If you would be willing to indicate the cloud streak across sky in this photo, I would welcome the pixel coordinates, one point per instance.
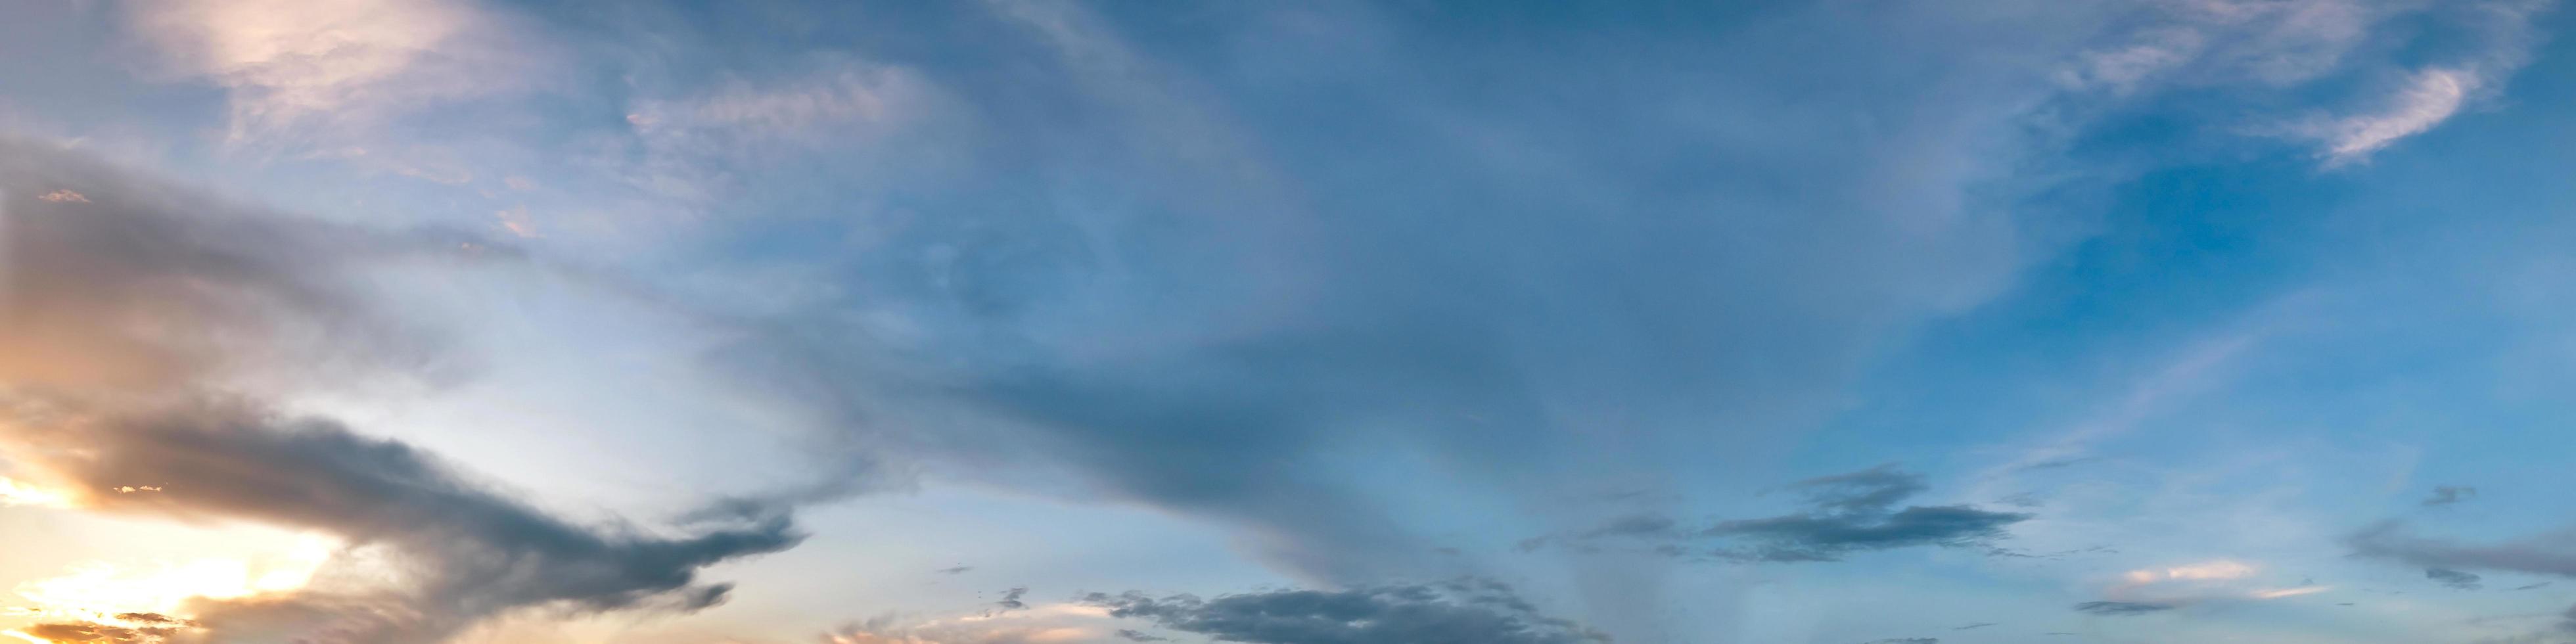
(1287, 309)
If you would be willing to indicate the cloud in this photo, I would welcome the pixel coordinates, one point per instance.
(95, 286)
(1810, 537)
(102, 393)
(1974, 626)
(2262, 53)
(1049, 623)
(1136, 287)
(2427, 99)
(1460, 612)
(1907, 640)
(1635, 525)
(292, 64)
(2121, 608)
(1134, 636)
(2548, 554)
(1857, 512)
(712, 144)
(2449, 494)
(2452, 578)
(1846, 513)
(101, 634)
(466, 553)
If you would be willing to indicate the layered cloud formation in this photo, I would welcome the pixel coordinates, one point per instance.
(1330, 298)
(140, 319)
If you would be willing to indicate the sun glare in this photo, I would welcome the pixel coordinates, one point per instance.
(13, 492)
(101, 590)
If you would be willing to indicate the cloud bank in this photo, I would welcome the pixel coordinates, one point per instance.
(138, 326)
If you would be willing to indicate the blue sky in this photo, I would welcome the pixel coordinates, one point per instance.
(1362, 323)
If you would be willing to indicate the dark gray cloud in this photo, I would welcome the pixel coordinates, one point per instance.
(2453, 578)
(2449, 494)
(2121, 608)
(2532, 586)
(1011, 599)
(1134, 635)
(1846, 513)
(464, 553)
(132, 313)
(1456, 612)
(1829, 537)
(1974, 626)
(1906, 640)
(954, 570)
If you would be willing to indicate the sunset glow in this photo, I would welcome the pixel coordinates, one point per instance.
(97, 589)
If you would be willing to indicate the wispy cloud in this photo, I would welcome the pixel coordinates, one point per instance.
(299, 64)
(2121, 608)
(2449, 494)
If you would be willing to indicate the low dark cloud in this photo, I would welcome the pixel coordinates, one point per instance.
(1134, 635)
(2453, 578)
(464, 553)
(1906, 640)
(1455, 612)
(1974, 626)
(2532, 586)
(1809, 537)
(2121, 608)
(957, 570)
(1011, 599)
(2449, 494)
(2547, 554)
(1846, 513)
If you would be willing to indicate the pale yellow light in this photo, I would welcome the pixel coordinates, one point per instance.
(14, 492)
(102, 588)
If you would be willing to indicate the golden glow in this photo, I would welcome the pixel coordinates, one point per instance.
(13, 492)
(24, 636)
(99, 589)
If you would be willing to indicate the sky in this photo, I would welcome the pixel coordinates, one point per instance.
(1404, 322)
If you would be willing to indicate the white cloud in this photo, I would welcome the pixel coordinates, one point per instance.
(2247, 46)
(2431, 97)
(688, 146)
